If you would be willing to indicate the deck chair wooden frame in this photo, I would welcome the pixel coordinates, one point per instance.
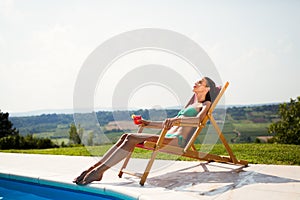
(189, 149)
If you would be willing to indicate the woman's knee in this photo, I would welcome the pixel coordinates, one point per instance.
(134, 139)
(121, 139)
(129, 137)
(123, 136)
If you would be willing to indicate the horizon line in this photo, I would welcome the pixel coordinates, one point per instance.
(71, 111)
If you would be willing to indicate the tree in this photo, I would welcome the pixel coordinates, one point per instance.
(287, 129)
(74, 135)
(90, 139)
(6, 127)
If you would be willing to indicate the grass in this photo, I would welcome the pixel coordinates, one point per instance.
(278, 154)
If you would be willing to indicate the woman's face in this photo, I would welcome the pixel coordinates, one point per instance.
(201, 86)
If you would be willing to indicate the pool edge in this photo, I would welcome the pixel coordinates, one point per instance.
(109, 191)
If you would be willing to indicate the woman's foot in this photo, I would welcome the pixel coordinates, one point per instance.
(81, 176)
(90, 177)
(84, 173)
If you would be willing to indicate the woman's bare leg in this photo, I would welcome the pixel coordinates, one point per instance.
(119, 154)
(105, 157)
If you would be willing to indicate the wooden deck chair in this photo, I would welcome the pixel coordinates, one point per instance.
(189, 149)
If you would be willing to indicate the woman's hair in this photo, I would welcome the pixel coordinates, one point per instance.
(213, 92)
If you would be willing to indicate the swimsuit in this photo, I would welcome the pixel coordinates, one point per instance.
(186, 112)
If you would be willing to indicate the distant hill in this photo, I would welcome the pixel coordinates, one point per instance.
(71, 111)
(51, 122)
(243, 124)
(256, 114)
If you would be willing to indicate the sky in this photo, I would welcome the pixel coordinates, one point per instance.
(255, 45)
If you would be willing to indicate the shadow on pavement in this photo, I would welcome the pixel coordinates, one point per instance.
(217, 182)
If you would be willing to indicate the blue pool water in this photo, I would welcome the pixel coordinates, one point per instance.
(15, 190)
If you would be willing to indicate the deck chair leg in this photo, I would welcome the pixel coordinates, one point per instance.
(125, 164)
(222, 138)
(140, 130)
(148, 168)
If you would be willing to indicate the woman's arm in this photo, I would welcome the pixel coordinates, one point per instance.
(152, 124)
(199, 117)
(168, 123)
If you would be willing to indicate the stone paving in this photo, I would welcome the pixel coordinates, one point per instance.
(168, 180)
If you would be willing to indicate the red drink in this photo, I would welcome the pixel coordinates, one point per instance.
(137, 119)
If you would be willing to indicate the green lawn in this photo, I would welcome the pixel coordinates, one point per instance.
(278, 154)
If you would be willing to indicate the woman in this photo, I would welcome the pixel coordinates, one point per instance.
(205, 93)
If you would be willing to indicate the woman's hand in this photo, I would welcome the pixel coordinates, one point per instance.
(169, 122)
(144, 122)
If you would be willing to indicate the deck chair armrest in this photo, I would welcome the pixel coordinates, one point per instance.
(188, 121)
(187, 124)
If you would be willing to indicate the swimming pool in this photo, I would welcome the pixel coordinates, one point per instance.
(11, 189)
